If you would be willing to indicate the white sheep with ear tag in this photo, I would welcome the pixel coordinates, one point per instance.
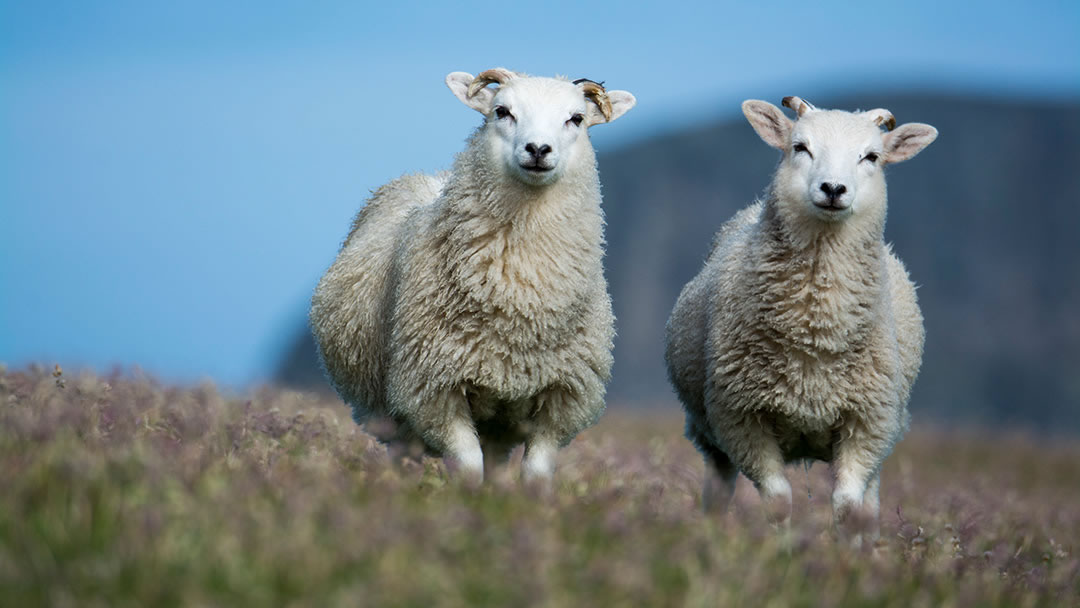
(467, 311)
(801, 337)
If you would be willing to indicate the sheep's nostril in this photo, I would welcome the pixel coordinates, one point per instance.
(833, 190)
(537, 152)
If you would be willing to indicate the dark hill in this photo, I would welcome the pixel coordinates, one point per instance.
(985, 220)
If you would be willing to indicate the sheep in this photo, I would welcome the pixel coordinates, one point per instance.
(467, 312)
(801, 336)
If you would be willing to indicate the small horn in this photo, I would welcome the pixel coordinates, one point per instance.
(595, 91)
(496, 75)
(883, 118)
(801, 106)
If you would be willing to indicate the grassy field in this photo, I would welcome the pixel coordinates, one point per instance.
(118, 491)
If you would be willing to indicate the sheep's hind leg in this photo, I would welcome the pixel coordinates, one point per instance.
(719, 487)
(496, 455)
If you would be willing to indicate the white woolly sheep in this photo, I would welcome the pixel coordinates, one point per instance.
(801, 336)
(469, 308)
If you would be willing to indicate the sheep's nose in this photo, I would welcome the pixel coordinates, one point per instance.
(833, 191)
(537, 152)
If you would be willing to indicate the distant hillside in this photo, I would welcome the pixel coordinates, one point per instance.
(985, 220)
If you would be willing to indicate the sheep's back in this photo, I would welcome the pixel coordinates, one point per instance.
(348, 309)
(688, 326)
(908, 319)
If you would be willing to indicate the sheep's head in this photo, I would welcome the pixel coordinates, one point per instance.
(833, 160)
(537, 126)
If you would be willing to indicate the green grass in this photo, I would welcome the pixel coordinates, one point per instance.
(122, 491)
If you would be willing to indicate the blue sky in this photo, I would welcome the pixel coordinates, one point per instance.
(176, 176)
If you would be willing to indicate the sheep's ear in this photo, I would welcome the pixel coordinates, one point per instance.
(621, 102)
(459, 85)
(907, 140)
(769, 122)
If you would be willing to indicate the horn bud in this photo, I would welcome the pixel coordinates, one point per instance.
(800, 105)
(494, 75)
(883, 118)
(595, 91)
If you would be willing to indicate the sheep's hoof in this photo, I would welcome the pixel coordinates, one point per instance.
(776, 498)
(851, 524)
(464, 472)
(716, 495)
(538, 487)
(538, 466)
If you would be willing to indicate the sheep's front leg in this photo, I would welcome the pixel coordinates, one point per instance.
(555, 408)
(463, 456)
(442, 419)
(855, 493)
(756, 452)
(538, 463)
(775, 494)
(872, 507)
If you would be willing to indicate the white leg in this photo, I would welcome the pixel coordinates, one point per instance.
(463, 457)
(849, 496)
(871, 501)
(538, 463)
(872, 507)
(776, 495)
(751, 444)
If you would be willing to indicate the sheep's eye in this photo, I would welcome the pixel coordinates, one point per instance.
(871, 156)
(576, 119)
(501, 112)
(801, 147)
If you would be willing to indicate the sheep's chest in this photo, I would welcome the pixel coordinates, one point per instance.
(807, 401)
(810, 398)
(509, 305)
(818, 355)
(522, 305)
(515, 355)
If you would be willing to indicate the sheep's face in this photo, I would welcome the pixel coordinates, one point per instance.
(535, 128)
(832, 165)
(833, 161)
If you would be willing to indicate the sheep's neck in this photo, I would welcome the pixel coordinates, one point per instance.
(819, 293)
(526, 252)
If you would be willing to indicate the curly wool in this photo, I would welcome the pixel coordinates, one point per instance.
(807, 338)
(470, 294)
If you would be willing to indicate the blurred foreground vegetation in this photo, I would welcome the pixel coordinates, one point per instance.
(122, 491)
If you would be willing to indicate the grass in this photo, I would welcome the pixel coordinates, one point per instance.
(119, 491)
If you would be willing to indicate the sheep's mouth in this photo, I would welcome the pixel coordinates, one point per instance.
(536, 168)
(831, 205)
